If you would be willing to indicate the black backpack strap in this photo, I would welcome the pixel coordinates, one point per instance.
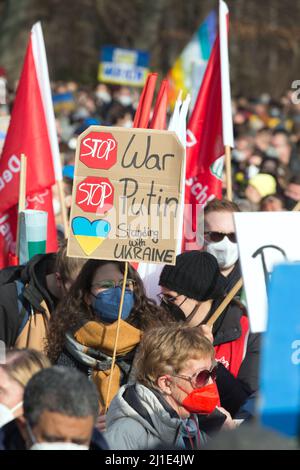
(131, 397)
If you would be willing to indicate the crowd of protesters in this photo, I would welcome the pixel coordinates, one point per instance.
(265, 160)
(177, 383)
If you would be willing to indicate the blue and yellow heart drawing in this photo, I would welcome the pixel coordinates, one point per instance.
(90, 235)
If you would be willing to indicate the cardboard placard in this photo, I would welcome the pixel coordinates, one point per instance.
(126, 195)
(264, 240)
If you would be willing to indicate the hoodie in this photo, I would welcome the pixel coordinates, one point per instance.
(22, 292)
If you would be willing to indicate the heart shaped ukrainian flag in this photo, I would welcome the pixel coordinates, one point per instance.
(90, 235)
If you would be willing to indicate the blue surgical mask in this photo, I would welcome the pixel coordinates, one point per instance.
(106, 304)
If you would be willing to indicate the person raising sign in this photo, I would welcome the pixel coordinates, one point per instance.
(83, 329)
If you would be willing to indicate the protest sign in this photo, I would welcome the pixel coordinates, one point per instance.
(63, 102)
(264, 239)
(126, 195)
(123, 66)
(280, 365)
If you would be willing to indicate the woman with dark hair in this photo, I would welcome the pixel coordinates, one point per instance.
(83, 328)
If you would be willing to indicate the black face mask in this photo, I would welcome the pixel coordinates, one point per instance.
(176, 311)
(289, 203)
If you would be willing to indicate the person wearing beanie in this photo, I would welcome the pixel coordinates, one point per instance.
(197, 291)
(259, 186)
(191, 291)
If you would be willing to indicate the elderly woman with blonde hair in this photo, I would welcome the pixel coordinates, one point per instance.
(175, 382)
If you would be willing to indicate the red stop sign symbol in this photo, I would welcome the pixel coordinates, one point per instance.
(98, 150)
(95, 195)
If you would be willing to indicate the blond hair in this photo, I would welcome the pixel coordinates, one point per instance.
(22, 364)
(221, 205)
(67, 267)
(165, 350)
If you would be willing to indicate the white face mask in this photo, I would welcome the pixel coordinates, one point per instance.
(56, 206)
(7, 414)
(125, 100)
(128, 124)
(52, 445)
(225, 251)
(57, 446)
(252, 171)
(238, 155)
(104, 96)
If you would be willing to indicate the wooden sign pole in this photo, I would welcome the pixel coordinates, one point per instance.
(117, 336)
(22, 198)
(225, 302)
(297, 207)
(63, 207)
(228, 172)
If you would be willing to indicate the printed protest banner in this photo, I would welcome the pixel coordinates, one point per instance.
(280, 365)
(63, 102)
(264, 239)
(126, 195)
(123, 66)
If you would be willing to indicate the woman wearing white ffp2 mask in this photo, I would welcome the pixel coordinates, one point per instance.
(20, 366)
(223, 247)
(8, 414)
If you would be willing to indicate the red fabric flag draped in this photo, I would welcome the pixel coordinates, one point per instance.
(205, 132)
(27, 134)
(204, 148)
(159, 118)
(142, 115)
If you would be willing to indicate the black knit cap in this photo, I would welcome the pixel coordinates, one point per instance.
(195, 275)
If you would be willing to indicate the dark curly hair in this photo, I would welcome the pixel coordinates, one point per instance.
(73, 311)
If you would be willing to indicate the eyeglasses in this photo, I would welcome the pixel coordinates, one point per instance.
(200, 379)
(166, 298)
(109, 284)
(219, 236)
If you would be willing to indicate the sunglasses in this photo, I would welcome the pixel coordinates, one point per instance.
(219, 236)
(200, 379)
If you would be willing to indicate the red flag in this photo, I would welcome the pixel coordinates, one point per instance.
(8, 230)
(205, 133)
(142, 115)
(27, 133)
(209, 130)
(199, 190)
(159, 118)
(204, 146)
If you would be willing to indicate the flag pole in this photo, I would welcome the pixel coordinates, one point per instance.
(228, 172)
(297, 207)
(63, 206)
(117, 337)
(225, 302)
(22, 198)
